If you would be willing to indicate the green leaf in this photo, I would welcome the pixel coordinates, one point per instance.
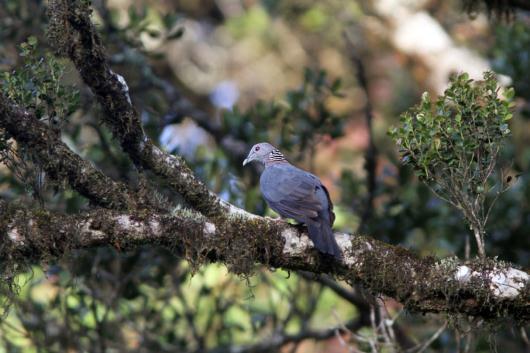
(32, 40)
(509, 93)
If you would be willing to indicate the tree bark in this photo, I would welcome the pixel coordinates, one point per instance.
(484, 287)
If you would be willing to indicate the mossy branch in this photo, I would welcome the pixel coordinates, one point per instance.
(483, 288)
(58, 161)
(74, 35)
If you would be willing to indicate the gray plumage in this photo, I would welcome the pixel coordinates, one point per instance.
(297, 194)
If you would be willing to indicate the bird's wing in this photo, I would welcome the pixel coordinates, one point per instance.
(292, 193)
(329, 205)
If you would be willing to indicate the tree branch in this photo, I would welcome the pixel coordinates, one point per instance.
(483, 288)
(59, 162)
(74, 35)
(362, 303)
(370, 156)
(277, 341)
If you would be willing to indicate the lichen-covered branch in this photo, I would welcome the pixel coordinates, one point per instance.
(74, 35)
(483, 288)
(59, 162)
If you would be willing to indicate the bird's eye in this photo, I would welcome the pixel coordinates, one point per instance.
(257, 148)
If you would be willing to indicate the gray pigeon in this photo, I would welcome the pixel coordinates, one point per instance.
(297, 194)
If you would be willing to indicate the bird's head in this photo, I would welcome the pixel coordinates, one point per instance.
(259, 152)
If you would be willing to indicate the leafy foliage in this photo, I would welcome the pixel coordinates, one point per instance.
(38, 86)
(140, 23)
(124, 297)
(453, 144)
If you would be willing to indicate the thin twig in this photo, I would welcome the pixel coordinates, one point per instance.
(422, 347)
(370, 156)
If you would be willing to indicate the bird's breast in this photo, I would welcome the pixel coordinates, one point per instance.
(268, 185)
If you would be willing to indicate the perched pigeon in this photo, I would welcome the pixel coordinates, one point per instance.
(297, 194)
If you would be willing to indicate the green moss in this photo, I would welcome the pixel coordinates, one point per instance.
(239, 243)
(428, 285)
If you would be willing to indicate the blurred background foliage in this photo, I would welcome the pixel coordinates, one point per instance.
(212, 77)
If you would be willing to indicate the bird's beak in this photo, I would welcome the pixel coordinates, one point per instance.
(249, 159)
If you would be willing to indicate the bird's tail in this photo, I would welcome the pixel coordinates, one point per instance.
(322, 236)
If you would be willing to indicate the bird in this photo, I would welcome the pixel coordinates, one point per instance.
(297, 194)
